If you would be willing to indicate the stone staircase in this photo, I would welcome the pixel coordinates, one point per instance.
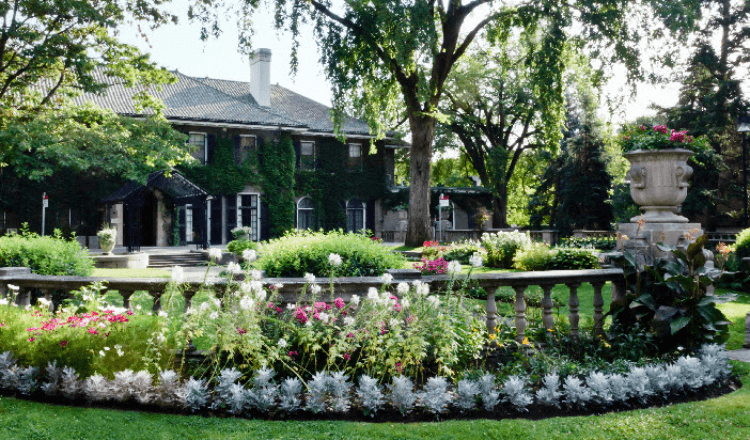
(184, 259)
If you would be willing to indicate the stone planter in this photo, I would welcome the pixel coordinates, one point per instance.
(659, 183)
(107, 245)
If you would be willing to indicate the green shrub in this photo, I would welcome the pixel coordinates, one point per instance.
(300, 252)
(540, 257)
(601, 243)
(462, 251)
(502, 247)
(742, 245)
(237, 246)
(45, 255)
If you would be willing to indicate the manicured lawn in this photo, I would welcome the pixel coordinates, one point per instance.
(727, 417)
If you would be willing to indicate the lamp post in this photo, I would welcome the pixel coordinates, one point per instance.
(744, 127)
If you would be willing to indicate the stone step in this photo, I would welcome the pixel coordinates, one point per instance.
(169, 260)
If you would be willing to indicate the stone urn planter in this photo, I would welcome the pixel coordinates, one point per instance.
(659, 183)
(107, 239)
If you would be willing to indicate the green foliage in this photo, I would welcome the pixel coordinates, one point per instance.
(277, 169)
(297, 253)
(50, 255)
(223, 175)
(671, 298)
(503, 246)
(742, 245)
(237, 246)
(601, 243)
(462, 251)
(541, 257)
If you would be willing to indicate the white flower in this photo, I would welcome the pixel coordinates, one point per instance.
(433, 301)
(13, 287)
(291, 306)
(281, 343)
(476, 260)
(404, 303)
(189, 311)
(402, 288)
(308, 323)
(314, 288)
(354, 300)
(278, 286)
(106, 348)
(260, 294)
(4, 302)
(348, 321)
(246, 303)
(216, 302)
(234, 267)
(372, 293)
(214, 254)
(138, 307)
(44, 302)
(102, 353)
(421, 288)
(249, 255)
(309, 278)
(178, 275)
(205, 306)
(395, 322)
(387, 278)
(213, 316)
(334, 260)
(324, 317)
(163, 314)
(454, 267)
(119, 350)
(256, 274)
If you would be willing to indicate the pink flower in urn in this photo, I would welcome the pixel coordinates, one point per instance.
(678, 136)
(661, 129)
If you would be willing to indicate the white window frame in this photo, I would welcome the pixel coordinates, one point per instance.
(306, 209)
(359, 155)
(205, 143)
(364, 213)
(301, 156)
(238, 212)
(188, 223)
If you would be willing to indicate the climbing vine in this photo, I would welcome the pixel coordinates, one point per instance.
(277, 169)
(223, 175)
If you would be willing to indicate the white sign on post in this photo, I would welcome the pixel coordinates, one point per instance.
(45, 200)
(444, 202)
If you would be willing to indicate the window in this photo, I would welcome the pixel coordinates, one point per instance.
(305, 218)
(198, 141)
(247, 214)
(245, 148)
(355, 216)
(307, 155)
(355, 157)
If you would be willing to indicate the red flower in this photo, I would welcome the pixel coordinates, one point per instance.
(241, 330)
(347, 357)
(63, 343)
(292, 354)
(31, 339)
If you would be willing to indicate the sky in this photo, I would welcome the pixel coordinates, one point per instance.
(180, 47)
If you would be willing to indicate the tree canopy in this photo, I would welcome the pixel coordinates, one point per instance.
(54, 50)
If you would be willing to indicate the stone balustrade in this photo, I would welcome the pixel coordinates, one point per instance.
(293, 289)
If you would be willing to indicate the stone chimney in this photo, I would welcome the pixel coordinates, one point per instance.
(260, 76)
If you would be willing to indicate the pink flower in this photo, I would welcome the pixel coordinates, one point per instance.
(31, 339)
(350, 335)
(301, 316)
(270, 305)
(292, 354)
(93, 331)
(661, 129)
(339, 303)
(347, 357)
(278, 309)
(63, 343)
(678, 136)
(241, 330)
(399, 368)
(397, 307)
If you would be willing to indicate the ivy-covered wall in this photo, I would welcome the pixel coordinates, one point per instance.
(334, 181)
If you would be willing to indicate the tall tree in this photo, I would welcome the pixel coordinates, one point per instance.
(390, 59)
(54, 50)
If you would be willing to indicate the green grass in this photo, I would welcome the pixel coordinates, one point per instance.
(726, 417)
(131, 273)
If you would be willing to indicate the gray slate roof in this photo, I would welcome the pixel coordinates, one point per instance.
(225, 101)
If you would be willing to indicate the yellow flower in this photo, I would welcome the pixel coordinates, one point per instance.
(492, 336)
(525, 341)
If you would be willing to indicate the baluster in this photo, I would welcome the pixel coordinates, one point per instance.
(188, 295)
(491, 309)
(547, 317)
(126, 294)
(618, 293)
(520, 313)
(598, 308)
(157, 302)
(573, 309)
(4, 291)
(24, 296)
(48, 296)
(747, 331)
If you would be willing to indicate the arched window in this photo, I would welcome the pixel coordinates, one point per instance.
(305, 219)
(355, 216)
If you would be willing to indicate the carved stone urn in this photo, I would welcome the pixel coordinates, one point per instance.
(659, 183)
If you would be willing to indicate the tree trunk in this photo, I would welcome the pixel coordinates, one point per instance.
(500, 207)
(423, 134)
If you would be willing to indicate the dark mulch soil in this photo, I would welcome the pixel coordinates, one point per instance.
(504, 411)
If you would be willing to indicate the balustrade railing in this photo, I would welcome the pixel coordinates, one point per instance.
(293, 290)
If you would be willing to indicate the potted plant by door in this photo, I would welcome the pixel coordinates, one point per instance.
(107, 239)
(659, 171)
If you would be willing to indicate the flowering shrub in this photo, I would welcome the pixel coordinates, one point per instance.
(300, 252)
(432, 267)
(502, 247)
(658, 137)
(432, 249)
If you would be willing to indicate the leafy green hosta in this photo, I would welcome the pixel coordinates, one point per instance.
(673, 298)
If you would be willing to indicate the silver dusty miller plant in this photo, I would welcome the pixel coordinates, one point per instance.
(488, 391)
(290, 396)
(370, 395)
(436, 397)
(402, 395)
(265, 391)
(195, 394)
(467, 392)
